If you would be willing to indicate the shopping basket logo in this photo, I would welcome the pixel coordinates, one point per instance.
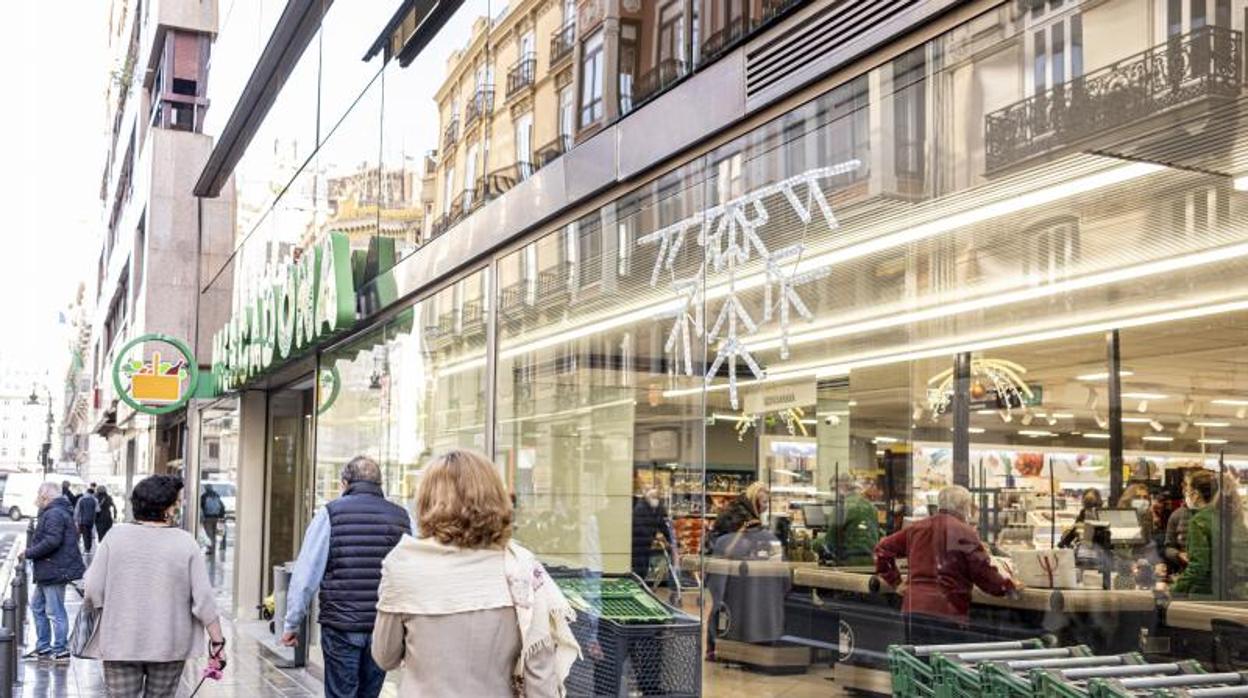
(155, 381)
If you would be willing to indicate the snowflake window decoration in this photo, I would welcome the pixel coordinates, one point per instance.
(731, 238)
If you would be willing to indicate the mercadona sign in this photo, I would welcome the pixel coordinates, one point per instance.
(299, 303)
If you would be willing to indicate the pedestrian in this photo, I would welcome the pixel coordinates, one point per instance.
(69, 493)
(106, 513)
(211, 511)
(855, 529)
(464, 609)
(650, 524)
(151, 584)
(341, 555)
(84, 515)
(54, 551)
(947, 560)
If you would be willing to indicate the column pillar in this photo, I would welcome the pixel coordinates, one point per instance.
(251, 504)
(1115, 416)
(962, 419)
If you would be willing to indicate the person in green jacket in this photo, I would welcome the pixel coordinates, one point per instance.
(854, 530)
(1204, 534)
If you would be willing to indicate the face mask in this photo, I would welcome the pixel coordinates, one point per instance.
(1190, 501)
(1140, 504)
(653, 502)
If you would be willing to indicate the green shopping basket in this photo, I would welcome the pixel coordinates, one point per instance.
(911, 670)
(1012, 679)
(961, 675)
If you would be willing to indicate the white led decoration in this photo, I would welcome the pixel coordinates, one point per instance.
(729, 235)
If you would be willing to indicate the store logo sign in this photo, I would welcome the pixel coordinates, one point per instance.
(302, 301)
(154, 385)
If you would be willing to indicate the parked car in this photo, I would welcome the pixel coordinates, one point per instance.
(18, 490)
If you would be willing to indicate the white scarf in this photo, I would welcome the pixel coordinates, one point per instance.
(423, 577)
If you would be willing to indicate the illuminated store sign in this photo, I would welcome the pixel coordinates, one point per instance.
(303, 300)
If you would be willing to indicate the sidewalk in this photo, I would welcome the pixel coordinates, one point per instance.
(251, 673)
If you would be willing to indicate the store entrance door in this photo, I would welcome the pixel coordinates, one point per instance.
(289, 465)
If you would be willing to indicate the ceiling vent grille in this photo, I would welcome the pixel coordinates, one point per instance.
(816, 37)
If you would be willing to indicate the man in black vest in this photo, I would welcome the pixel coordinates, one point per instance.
(341, 555)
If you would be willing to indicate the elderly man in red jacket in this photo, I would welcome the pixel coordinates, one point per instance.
(947, 560)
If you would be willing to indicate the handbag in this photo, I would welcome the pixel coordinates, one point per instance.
(83, 636)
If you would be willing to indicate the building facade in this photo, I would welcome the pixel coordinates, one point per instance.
(27, 420)
(153, 252)
(838, 248)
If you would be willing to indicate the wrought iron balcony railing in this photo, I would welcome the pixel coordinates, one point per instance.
(521, 75)
(775, 8)
(727, 37)
(481, 105)
(663, 76)
(561, 42)
(554, 150)
(450, 134)
(1201, 64)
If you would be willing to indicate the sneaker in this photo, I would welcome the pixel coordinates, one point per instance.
(37, 654)
(62, 656)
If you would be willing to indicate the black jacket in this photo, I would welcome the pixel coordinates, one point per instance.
(108, 511)
(85, 510)
(648, 522)
(54, 546)
(363, 529)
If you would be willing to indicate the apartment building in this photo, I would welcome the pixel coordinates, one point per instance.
(150, 246)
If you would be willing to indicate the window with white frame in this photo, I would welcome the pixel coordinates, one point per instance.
(591, 79)
(1184, 16)
(524, 144)
(1054, 44)
(567, 115)
(448, 190)
(470, 173)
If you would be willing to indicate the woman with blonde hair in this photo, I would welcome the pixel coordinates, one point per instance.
(464, 609)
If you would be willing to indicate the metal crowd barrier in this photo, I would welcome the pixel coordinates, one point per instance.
(12, 614)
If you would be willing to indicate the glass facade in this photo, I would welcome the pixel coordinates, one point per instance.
(1008, 258)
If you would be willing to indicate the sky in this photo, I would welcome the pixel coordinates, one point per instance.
(52, 148)
(54, 138)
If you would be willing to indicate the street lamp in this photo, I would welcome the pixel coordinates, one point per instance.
(45, 453)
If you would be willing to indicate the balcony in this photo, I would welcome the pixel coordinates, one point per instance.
(481, 105)
(720, 41)
(473, 317)
(653, 83)
(1185, 70)
(554, 150)
(450, 135)
(521, 76)
(562, 40)
(775, 8)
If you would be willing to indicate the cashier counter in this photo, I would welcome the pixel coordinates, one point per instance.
(849, 616)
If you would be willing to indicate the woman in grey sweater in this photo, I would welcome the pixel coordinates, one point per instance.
(151, 584)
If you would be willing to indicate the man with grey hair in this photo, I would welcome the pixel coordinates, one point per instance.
(54, 551)
(341, 556)
(947, 560)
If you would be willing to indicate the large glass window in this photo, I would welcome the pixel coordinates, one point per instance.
(406, 390)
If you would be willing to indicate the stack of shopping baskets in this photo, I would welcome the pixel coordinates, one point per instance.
(1028, 669)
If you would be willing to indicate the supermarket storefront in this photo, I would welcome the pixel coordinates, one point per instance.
(1009, 256)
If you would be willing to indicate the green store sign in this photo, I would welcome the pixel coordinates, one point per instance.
(303, 301)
